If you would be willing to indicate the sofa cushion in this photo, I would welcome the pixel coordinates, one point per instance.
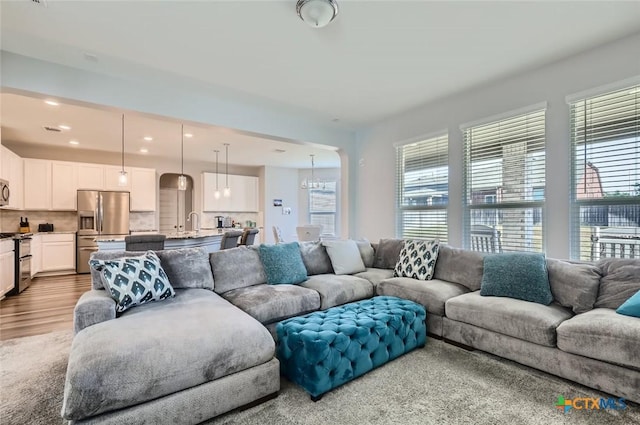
(574, 284)
(631, 307)
(315, 258)
(417, 259)
(448, 266)
(620, 280)
(282, 263)
(602, 334)
(520, 275)
(375, 276)
(387, 253)
(187, 267)
(160, 349)
(272, 303)
(432, 294)
(345, 256)
(366, 252)
(338, 289)
(525, 320)
(236, 268)
(134, 281)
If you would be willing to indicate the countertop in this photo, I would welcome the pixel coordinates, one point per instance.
(181, 235)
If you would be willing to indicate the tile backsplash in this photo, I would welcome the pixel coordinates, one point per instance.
(209, 219)
(66, 221)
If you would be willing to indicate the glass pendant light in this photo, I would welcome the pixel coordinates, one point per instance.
(182, 179)
(312, 183)
(122, 177)
(227, 189)
(216, 194)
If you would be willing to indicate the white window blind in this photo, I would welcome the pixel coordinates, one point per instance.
(423, 188)
(505, 183)
(605, 138)
(322, 208)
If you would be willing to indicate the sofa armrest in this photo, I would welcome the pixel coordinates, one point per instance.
(93, 307)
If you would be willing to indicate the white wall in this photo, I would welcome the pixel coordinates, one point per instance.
(375, 191)
(279, 183)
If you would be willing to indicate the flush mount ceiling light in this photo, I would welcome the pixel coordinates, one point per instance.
(317, 13)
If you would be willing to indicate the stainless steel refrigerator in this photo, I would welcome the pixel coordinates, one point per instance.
(100, 214)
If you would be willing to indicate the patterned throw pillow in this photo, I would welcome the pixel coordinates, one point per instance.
(133, 281)
(417, 259)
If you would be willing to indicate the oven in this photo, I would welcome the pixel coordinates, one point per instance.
(23, 262)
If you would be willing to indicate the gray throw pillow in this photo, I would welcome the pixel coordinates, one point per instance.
(187, 267)
(236, 268)
(620, 280)
(461, 266)
(387, 253)
(366, 252)
(315, 258)
(574, 284)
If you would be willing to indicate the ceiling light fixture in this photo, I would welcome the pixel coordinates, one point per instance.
(227, 189)
(51, 102)
(74, 142)
(122, 178)
(148, 138)
(317, 13)
(64, 127)
(216, 194)
(188, 135)
(144, 150)
(182, 179)
(312, 183)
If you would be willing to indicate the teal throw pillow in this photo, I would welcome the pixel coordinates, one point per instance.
(283, 263)
(631, 307)
(133, 281)
(521, 275)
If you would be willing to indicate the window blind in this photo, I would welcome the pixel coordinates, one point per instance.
(505, 182)
(423, 188)
(605, 139)
(322, 208)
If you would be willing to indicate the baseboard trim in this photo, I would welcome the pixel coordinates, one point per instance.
(459, 344)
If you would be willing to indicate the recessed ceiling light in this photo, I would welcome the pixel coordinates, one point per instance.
(74, 142)
(280, 151)
(188, 135)
(148, 138)
(64, 127)
(144, 150)
(51, 102)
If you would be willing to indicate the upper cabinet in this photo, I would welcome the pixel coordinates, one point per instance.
(53, 185)
(244, 193)
(12, 170)
(143, 189)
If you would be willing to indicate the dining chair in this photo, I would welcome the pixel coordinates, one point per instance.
(277, 235)
(308, 233)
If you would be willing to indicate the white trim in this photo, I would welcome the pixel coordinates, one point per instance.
(422, 138)
(607, 88)
(505, 115)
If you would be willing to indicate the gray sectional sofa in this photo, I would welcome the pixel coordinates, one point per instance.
(211, 348)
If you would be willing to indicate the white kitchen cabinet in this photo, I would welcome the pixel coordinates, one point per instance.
(64, 176)
(244, 193)
(143, 189)
(7, 266)
(112, 175)
(12, 169)
(58, 252)
(36, 254)
(90, 176)
(37, 184)
(4, 164)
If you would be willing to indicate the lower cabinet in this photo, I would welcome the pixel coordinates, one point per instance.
(36, 254)
(58, 252)
(7, 266)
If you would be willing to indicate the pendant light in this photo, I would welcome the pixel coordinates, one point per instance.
(216, 194)
(122, 177)
(317, 13)
(312, 183)
(182, 179)
(227, 189)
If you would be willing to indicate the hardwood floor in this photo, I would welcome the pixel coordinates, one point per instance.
(45, 306)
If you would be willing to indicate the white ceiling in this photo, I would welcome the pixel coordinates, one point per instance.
(377, 59)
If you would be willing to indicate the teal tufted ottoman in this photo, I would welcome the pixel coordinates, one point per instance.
(325, 349)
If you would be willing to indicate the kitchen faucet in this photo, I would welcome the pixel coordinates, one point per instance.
(196, 225)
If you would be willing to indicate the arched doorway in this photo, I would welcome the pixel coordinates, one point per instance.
(175, 204)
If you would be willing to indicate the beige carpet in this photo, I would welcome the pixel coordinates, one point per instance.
(440, 384)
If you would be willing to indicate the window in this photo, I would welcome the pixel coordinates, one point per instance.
(423, 188)
(605, 139)
(504, 183)
(322, 207)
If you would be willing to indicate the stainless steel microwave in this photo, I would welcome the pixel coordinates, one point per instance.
(4, 192)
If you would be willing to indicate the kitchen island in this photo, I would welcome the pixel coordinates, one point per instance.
(209, 239)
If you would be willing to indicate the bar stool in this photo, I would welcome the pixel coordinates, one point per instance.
(144, 242)
(248, 236)
(230, 239)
